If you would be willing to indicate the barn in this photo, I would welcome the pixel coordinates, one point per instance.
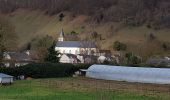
(129, 74)
(6, 79)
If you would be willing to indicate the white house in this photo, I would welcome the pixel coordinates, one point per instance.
(101, 59)
(69, 58)
(74, 47)
(6, 79)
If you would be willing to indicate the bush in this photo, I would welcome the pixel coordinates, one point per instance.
(132, 59)
(73, 33)
(41, 70)
(166, 46)
(119, 46)
(152, 36)
(44, 70)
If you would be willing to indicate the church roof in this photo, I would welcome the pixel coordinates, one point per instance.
(80, 44)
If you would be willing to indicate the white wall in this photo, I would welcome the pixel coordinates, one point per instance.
(6, 80)
(20, 64)
(80, 58)
(7, 64)
(73, 50)
(7, 56)
(65, 59)
(68, 50)
(101, 59)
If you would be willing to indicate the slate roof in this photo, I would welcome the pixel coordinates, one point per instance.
(75, 44)
(19, 56)
(2, 75)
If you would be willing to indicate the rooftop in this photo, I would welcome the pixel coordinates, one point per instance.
(81, 44)
(19, 56)
(4, 75)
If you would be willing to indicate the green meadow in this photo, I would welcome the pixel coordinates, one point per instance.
(71, 89)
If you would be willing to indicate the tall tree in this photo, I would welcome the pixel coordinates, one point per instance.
(52, 55)
(41, 45)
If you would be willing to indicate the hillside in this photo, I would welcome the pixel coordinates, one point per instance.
(29, 24)
(130, 22)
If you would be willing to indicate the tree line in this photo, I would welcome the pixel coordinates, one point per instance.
(154, 13)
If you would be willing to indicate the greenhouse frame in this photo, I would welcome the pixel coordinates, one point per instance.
(129, 74)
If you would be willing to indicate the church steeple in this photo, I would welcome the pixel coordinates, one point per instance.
(61, 36)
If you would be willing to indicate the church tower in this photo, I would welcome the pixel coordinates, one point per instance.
(61, 36)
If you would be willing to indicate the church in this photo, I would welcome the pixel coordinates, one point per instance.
(74, 47)
(78, 51)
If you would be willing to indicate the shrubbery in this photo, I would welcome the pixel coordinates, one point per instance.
(80, 66)
(44, 70)
(132, 59)
(119, 46)
(166, 46)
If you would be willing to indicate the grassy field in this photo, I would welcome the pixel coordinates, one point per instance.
(81, 89)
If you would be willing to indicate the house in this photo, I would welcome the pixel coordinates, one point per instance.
(80, 58)
(87, 58)
(33, 55)
(69, 58)
(74, 47)
(104, 53)
(102, 59)
(16, 59)
(6, 79)
(167, 57)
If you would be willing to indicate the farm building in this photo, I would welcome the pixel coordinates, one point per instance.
(6, 79)
(129, 74)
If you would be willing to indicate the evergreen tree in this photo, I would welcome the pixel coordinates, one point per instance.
(52, 55)
(61, 16)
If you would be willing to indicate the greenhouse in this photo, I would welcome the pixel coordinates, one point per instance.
(129, 74)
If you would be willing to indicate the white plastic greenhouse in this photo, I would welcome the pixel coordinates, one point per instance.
(129, 74)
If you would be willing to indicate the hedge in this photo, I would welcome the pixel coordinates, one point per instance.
(44, 70)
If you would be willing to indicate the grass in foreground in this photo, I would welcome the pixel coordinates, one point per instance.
(65, 89)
